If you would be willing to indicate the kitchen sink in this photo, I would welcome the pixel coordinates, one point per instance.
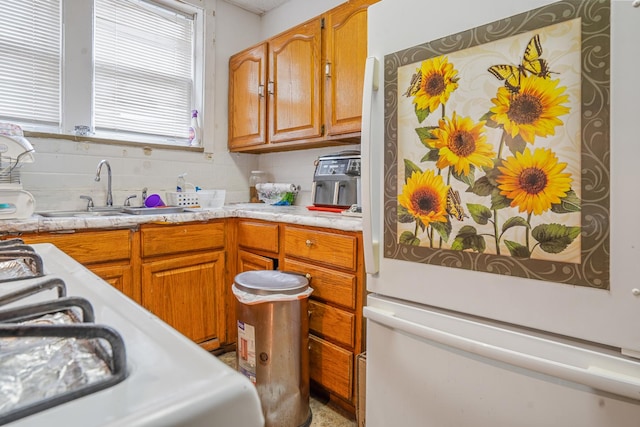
(154, 211)
(63, 214)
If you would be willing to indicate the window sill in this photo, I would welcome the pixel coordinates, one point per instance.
(108, 141)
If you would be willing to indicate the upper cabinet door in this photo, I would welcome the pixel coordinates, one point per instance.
(295, 83)
(247, 102)
(345, 55)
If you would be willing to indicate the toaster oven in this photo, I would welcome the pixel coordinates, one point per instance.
(336, 181)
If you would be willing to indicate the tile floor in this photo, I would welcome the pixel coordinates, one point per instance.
(323, 414)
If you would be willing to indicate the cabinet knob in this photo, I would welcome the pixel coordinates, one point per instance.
(261, 91)
(308, 243)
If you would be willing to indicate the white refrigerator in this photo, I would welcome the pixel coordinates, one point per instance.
(500, 186)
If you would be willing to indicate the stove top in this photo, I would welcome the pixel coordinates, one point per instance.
(156, 375)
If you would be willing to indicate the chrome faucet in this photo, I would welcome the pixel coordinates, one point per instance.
(109, 193)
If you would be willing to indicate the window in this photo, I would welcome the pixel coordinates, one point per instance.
(30, 67)
(131, 69)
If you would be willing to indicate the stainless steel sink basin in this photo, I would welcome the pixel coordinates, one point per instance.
(80, 214)
(154, 211)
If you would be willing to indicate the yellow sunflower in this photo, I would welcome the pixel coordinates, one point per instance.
(533, 111)
(438, 80)
(461, 143)
(535, 181)
(425, 197)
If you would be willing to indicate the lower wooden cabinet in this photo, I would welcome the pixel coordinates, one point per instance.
(186, 292)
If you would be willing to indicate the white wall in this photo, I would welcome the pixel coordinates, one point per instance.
(65, 169)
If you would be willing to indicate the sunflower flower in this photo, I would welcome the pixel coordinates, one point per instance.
(425, 197)
(461, 143)
(438, 79)
(533, 111)
(533, 181)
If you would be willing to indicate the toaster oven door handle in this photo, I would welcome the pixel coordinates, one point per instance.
(336, 192)
(313, 192)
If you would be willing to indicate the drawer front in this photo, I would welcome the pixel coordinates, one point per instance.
(337, 250)
(332, 323)
(328, 285)
(258, 235)
(170, 239)
(251, 262)
(89, 247)
(331, 367)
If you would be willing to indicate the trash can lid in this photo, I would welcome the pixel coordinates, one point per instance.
(264, 282)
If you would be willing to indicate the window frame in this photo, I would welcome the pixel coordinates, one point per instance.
(77, 74)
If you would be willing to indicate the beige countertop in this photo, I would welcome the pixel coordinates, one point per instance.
(287, 214)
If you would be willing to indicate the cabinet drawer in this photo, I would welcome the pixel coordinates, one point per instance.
(170, 239)
(328, 285)
(258, 235)
(331, 366)
(338, 250)
(332, 323)
(89, 247)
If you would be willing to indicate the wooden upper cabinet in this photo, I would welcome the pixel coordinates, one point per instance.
(313, 89)
(247, 102)
(344, 57)
(294, 87)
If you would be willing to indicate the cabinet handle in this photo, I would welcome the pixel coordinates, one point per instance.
(270, 88)
(261, 91)
(308, 243)
(327, 69)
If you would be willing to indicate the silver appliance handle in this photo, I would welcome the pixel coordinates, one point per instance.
(336, 192)
(581, 365)
(370, 205)
(313, 192)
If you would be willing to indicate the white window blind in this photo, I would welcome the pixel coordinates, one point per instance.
(30, 61)
(143, 68)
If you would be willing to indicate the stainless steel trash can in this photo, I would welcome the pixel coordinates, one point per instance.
(273, 342)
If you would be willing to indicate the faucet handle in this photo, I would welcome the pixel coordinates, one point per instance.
(127, 200)
(89, 201)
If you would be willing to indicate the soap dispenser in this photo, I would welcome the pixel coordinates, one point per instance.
(182, 183)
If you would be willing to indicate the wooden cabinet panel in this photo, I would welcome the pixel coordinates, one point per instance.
(332, 323)
(247, 101)
(328, 285)
(185, 292)
(165, 240)
(258, 235)
(319, 246)
(89, 247)
(118, 276)
(345, 56)
(294, 83)
(251, 262)
(331, 367)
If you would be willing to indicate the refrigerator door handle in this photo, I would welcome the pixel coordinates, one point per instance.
(369, 208)
(580, 365)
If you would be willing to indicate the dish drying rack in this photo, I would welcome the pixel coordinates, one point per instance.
(15, 150)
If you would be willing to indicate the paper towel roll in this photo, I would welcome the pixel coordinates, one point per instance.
(273, 187)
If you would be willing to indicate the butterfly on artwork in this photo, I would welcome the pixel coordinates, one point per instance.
(454, 205)
(414, 86)
(532, 64)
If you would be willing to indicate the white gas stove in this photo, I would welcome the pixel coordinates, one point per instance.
(170, 381)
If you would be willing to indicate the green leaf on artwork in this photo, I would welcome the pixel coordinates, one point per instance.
(554, 238)
(570, 203)
(468, 238)
(442, 228)
(515, 144)
(421, 114)
(480, 213)
(425, 134)
(432, 155)
(481, 187)
(404, 216)
(488, 122)
(517, 250)
(467, 179)
(515, 221)
(498, 201)
(408, 238)
(409, 169)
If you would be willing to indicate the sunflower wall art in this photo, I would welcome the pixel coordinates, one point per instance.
(500, 145)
